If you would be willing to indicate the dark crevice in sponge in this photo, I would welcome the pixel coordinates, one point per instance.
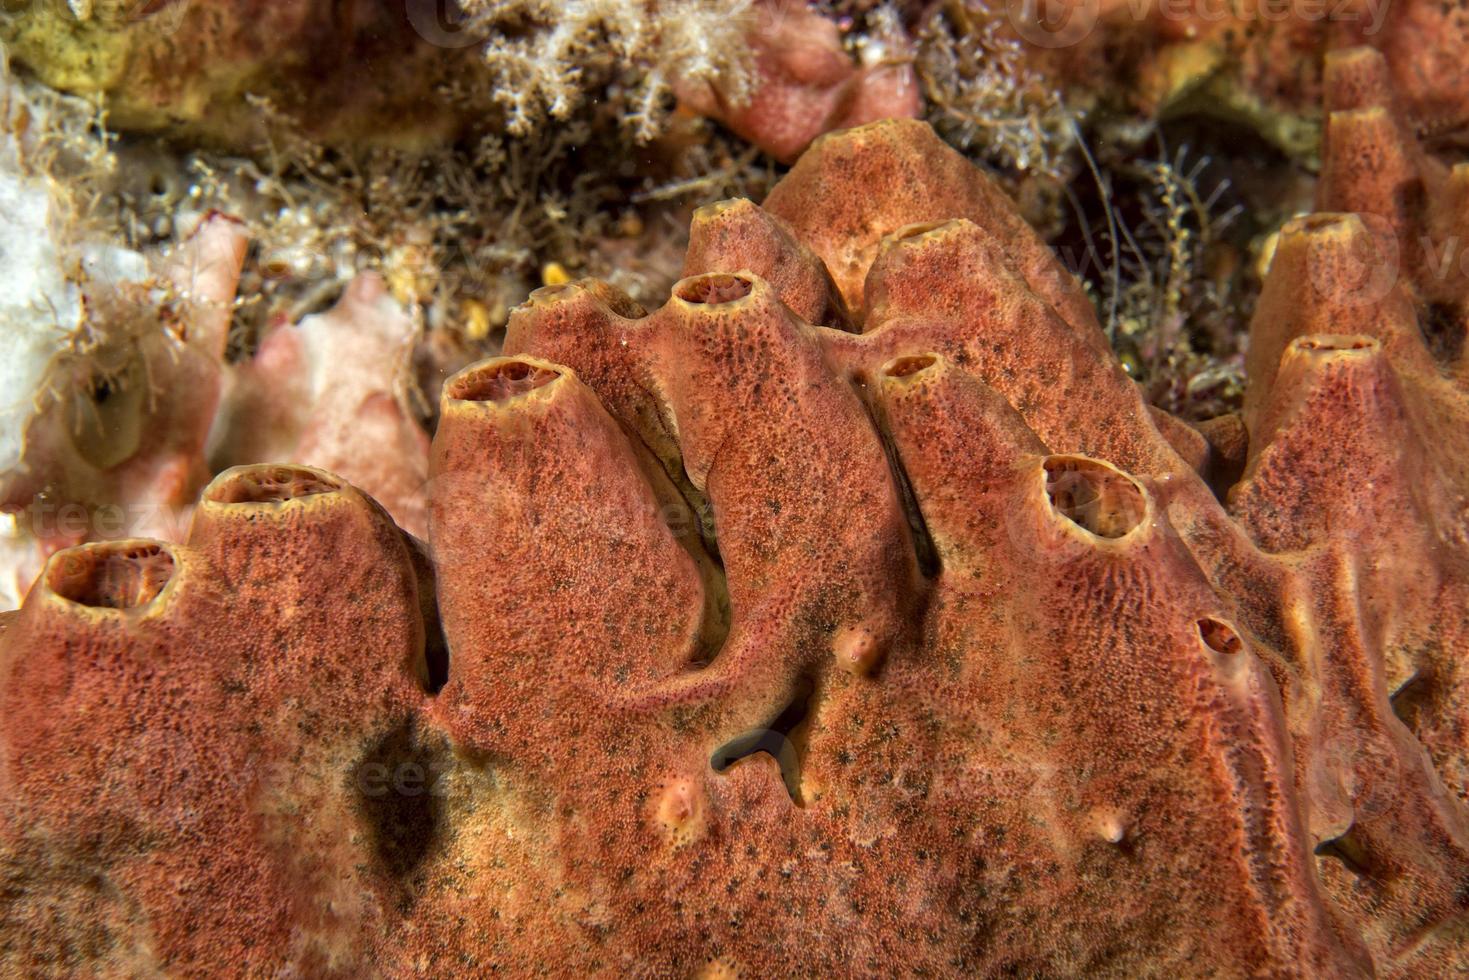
(435, 656)
(925, 552)
(1409, 701)
(433, 669)
(782, 739)
(1350, 851)
(1327, 344)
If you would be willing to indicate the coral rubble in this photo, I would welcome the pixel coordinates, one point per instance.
(849, 614)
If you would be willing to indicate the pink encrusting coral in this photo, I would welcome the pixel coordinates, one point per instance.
(848, 614)
(333, 389)
(805, 83)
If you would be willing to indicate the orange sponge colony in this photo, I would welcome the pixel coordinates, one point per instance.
(851, 614)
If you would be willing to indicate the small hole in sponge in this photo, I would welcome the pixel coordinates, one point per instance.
(1094, 496)
(122, 575)
(1220, 637)
(1320, 221)
(902, 367)
(718, 287)
(916, 230)
(1324, 342)
(269, 485)
(500, 381)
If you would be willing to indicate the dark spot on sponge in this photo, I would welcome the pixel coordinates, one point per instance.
(399, 798)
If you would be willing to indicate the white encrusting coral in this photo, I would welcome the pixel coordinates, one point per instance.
(56, 272)
(48, 265)
(546, 54)
(38, 304)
